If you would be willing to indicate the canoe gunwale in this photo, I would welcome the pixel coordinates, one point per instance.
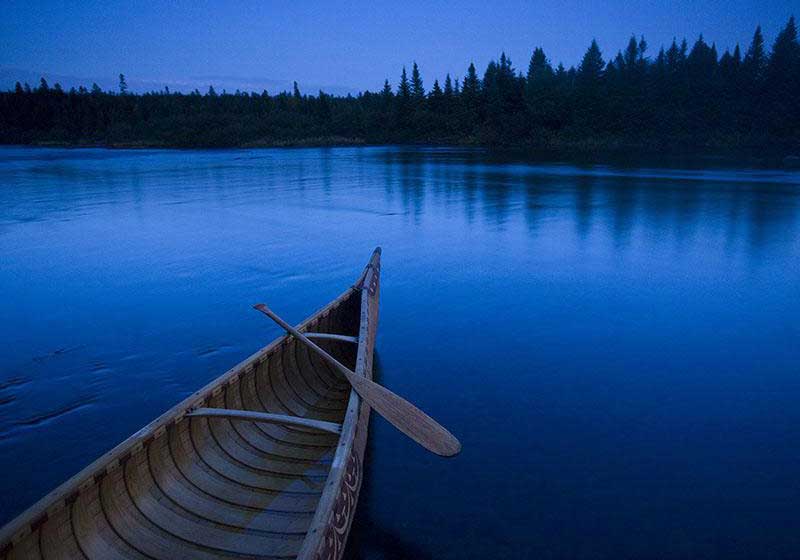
(327, 536)
(67, 493)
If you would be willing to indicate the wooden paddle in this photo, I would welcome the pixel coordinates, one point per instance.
(399, 412)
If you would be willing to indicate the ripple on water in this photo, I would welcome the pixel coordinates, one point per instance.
(46, 417)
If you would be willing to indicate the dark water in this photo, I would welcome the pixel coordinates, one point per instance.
(617, 346)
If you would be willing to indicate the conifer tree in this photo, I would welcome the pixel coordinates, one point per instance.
(472, 85)
(448, 87)
(386, 92)
(782, 82)
(591, 68)
(755, 60)
(403, 89)
(417, 91)
(436, 99)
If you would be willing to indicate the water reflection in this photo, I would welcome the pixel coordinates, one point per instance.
(666, 203)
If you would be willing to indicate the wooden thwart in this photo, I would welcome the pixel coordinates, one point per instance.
(267, 418)
(330, 336)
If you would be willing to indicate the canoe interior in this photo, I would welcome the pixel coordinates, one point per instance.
(204, 488)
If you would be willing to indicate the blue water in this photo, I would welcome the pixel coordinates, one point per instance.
(616, 345)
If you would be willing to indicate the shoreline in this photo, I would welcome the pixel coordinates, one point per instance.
(785, 159)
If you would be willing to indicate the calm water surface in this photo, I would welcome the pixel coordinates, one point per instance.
(617, 346)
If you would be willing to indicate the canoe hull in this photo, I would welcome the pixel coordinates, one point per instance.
(209, 487)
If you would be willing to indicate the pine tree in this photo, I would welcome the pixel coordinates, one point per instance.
(755, 60)
(631, 54)
(782, 83)
(540, 90)
(123, 85)
(470, 100)
(417, 91)
(591, 68)
(386, 92)
(436, 99)
(403, 89)
(472, 85)
(539, 68)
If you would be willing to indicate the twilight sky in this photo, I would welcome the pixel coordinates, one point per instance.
(340, 46)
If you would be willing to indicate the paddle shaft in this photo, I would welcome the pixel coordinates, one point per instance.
(399, 412)
(305, 340)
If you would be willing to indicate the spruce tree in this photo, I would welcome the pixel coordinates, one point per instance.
(403, 89)
(782, 83)
(540, 90)
(755, 60)
(591, 68)
(448, 87)
(470, 100)
(436, 99)
(417, 90)
(386, 92)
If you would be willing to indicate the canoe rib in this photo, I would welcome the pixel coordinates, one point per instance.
(253, 465)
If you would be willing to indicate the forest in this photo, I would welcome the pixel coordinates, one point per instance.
(683, 97)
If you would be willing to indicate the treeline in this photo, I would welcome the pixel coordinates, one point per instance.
(682, 97)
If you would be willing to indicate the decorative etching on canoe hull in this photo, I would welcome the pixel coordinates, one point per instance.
(335, 539)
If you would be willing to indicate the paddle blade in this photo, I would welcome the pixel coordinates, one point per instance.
(406, 417)
(399, 412)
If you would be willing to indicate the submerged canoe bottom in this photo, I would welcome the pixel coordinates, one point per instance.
(215, 487)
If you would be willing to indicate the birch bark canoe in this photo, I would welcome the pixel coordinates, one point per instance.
(217, 485)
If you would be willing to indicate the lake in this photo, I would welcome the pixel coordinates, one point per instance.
(616, 344)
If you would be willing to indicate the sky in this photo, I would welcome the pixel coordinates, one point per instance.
(339, 46)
